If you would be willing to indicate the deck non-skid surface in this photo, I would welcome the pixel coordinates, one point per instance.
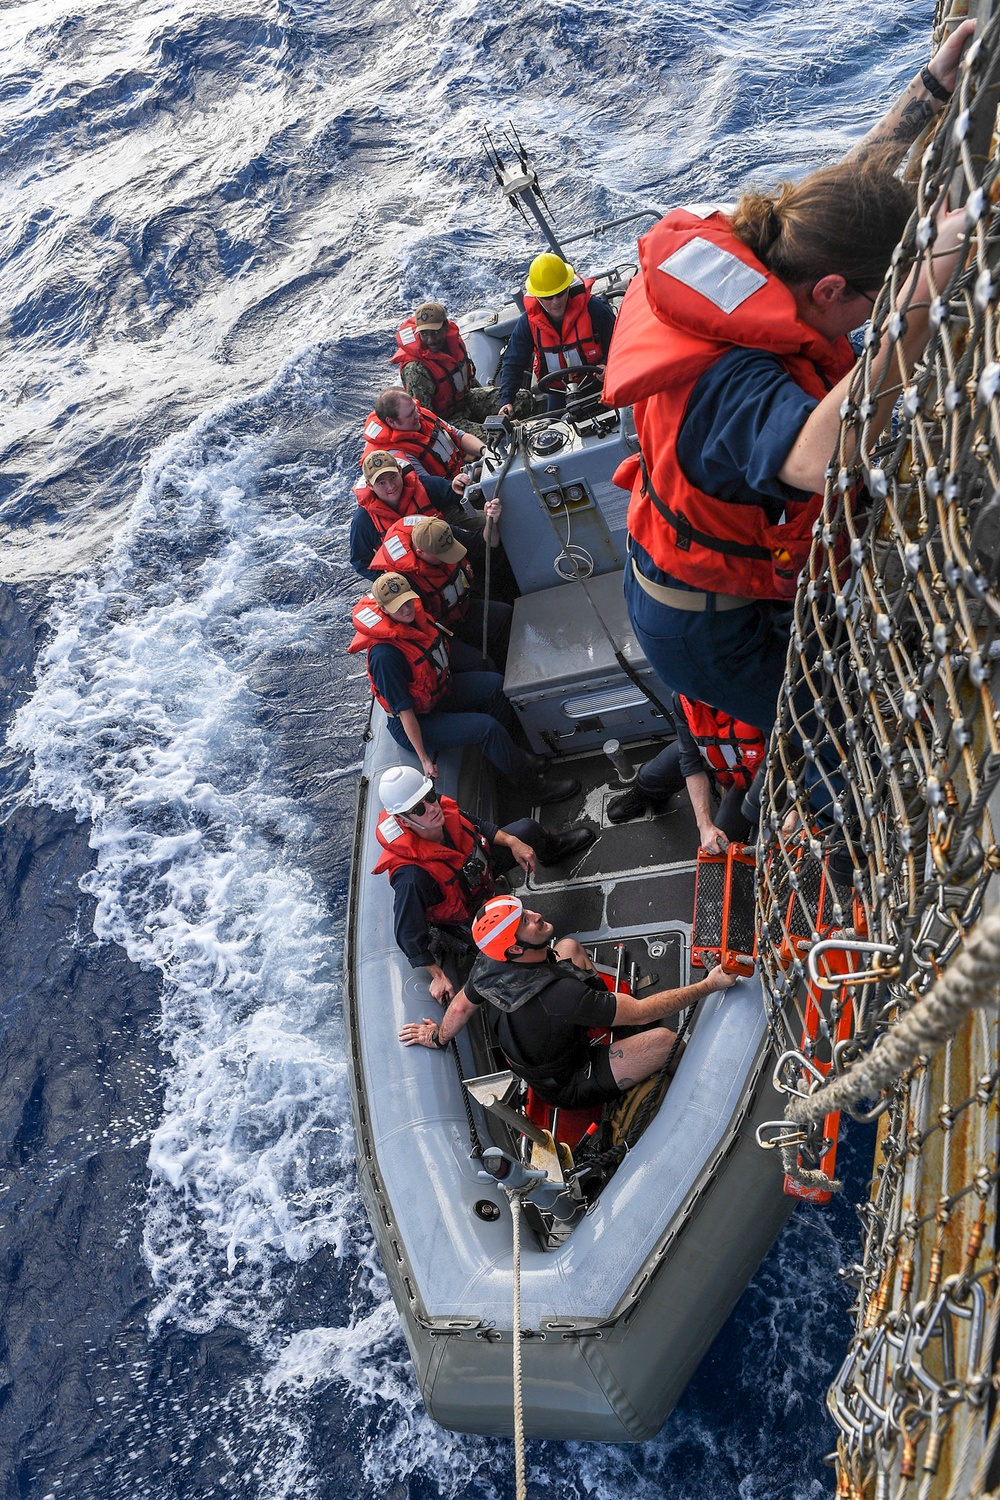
(638, 875)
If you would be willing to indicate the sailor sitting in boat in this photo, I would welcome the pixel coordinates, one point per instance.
(435, 368)
(398, 424)
(547, 997)
(563, 326)
(443, 864)
(710, 748)
(416, 674)
(388, 490)
(430, 556)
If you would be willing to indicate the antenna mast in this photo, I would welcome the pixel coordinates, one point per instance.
(519, 184)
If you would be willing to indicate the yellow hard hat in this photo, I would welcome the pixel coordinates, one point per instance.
(548, 275)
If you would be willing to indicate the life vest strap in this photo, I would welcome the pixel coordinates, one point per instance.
(686, 533)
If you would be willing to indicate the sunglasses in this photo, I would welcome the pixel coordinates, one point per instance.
(418, 809)
(860, 292)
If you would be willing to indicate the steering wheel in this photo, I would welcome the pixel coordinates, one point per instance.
(572, 373)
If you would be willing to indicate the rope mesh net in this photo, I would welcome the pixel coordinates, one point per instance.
(878, 921)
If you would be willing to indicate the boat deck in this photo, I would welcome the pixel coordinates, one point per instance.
(626, 882)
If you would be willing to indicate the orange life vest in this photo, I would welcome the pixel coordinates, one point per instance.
(414, 501)
(451, 367)
(444, 588)
(734, 750)
(463, 873)
(573, 343)
(435, 444)
(700, 292)
(424, 644)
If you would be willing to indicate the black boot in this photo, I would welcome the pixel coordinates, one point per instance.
(552, 788)
(632, 803)
(541, 782)
(571, 841)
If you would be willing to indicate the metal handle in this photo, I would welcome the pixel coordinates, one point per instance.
(829, 982)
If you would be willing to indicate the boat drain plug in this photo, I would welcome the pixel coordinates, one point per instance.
(485, 1208)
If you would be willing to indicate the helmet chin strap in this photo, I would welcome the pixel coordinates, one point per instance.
(534, 947)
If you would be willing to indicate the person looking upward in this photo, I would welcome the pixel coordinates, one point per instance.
(436, 370)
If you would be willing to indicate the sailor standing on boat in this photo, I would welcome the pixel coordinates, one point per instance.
(432, 707)
(562, 327)
(436, 370)
(548, 996)
(443, 864)
(732, 344)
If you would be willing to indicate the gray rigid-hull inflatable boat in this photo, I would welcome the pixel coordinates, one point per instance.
(617, 1314)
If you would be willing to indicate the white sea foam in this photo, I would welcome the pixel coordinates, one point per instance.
(145, 723)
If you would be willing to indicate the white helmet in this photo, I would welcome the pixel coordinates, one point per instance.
(401, 786)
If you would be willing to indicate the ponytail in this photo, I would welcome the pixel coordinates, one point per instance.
(844, 220)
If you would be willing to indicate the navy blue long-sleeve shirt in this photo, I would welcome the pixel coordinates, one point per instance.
(520, 351)
(365, 540)
(741, 421)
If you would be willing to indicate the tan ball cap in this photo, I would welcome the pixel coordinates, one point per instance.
(391, 591)
(430, 534)
(430, 315)
(377, 464)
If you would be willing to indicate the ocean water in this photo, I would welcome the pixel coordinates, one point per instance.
(214, 217)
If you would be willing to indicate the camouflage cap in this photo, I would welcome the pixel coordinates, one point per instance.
(377, 464)
(391, 591)
(430, 534)
(428, 316)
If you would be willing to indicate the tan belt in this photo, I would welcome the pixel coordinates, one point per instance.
(687, 599)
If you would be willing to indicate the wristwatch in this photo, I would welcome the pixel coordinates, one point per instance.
(437, 1042)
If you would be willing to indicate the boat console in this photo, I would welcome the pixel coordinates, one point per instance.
(553, 473)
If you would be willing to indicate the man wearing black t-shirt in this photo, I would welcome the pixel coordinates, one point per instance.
(547, 998)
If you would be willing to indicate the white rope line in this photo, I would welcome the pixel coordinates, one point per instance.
(520, 1488)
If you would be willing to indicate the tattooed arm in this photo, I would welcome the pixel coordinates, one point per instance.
(916, 106)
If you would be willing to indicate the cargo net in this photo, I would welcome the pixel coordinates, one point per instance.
(878, 921)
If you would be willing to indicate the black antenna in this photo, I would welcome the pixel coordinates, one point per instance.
(519, 184)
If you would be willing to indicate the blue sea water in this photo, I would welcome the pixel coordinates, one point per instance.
(214, 216)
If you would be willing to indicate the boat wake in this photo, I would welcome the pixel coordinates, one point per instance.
(147, 722)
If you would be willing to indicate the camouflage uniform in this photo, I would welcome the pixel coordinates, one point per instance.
(481, 401)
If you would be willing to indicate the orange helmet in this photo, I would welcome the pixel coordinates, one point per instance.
(496, 924)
